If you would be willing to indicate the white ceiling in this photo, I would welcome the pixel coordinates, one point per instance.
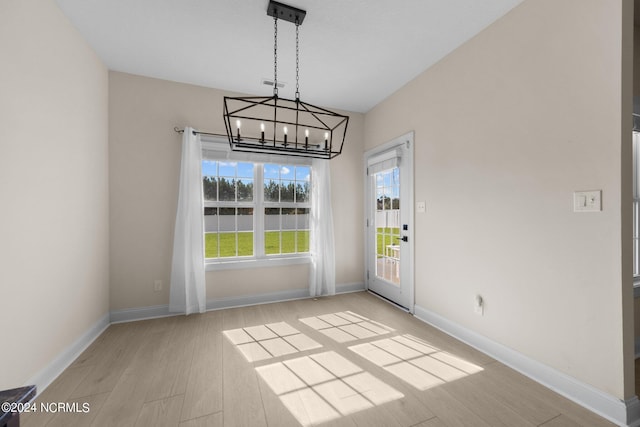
(353, 53)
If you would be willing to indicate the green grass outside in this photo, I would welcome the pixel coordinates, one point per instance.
(386, 236)
(245, 243)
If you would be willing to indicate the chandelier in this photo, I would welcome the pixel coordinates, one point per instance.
(277, 125)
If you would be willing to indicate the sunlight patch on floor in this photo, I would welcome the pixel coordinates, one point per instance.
(415, 361)
(325, 386)
(346, 326)
(264, 342)
(321, 387)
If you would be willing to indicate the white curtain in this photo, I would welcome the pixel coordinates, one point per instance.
(187, 293)
(322, 279)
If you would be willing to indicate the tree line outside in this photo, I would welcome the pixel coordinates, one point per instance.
(387, 203)
(224, 189)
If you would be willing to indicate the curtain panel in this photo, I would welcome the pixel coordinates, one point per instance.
(322, 280)
(188, 286)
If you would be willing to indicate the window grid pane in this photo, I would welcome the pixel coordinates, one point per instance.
(228, 213)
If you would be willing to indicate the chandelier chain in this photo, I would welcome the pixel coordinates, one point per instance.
(297, 63)
(275, 55)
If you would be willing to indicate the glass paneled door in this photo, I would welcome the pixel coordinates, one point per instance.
(389, 222)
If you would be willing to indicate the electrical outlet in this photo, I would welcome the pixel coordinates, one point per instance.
(479, 305)
(157, 285)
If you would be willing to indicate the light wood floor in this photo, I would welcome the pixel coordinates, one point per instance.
(186, 371)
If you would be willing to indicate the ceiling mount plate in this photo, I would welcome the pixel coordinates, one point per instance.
(286, 12)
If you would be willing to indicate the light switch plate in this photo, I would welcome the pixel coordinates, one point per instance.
(421, 207)
(587, 201)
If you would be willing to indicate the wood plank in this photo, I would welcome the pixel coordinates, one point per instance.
(174, 357)
(485, 404)
(242, 398)
(449, 410)
(161, 413)
(514, 395)
(213, 420)
(124, 404)
(552, 399)
(119, 352)
(561, 421)
(433, 422)
(204, 385)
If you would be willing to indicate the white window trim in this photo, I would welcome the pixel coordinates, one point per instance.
(220, 147)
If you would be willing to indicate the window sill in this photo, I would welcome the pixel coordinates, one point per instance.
(256, 263)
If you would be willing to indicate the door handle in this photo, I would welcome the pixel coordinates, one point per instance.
(405, 238)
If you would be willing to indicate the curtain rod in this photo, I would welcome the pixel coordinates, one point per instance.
(195, 132)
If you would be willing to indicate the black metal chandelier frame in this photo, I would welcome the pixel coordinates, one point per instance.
(329, 128)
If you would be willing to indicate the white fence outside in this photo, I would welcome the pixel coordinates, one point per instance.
(227, 223)
(388, 219)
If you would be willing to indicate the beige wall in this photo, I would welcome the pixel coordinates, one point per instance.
(144, 155)
(53, 181)
(506, 128)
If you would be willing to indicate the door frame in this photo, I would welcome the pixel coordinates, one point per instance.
(407, 138)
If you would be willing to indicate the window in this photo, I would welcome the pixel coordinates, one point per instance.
(286, 208)
(255, 210)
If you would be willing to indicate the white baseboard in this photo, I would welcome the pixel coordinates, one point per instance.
(47, 375)
(346, 288)
(623, 413)
(151, 312)
(140, 313)
(243, 301)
